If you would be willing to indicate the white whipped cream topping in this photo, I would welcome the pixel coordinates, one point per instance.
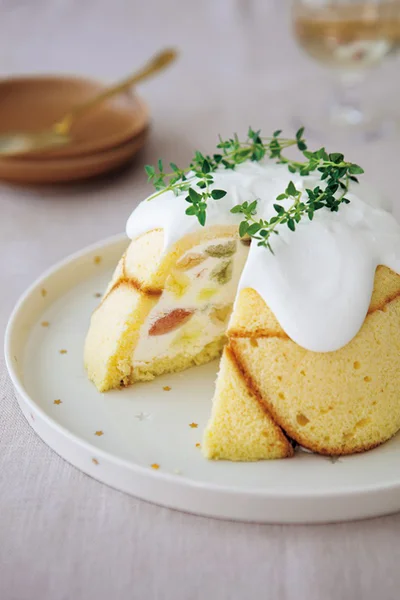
(320, 278)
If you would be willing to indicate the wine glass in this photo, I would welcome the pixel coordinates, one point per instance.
(351, 38)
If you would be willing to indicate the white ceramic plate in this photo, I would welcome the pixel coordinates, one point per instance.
(147, 425)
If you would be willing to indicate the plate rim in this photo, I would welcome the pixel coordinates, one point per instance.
(182, 483)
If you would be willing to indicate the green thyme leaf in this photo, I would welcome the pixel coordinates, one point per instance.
(253, 229)
(193, 195)
(355, 170)
(150, 171)
(252, 207)
(243, 227)
(291, 189)
(336, 157)
(206, 167)
(217, 194)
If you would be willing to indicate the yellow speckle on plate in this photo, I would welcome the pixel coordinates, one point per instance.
(166, 388)
(63, 351)
(198, 445)
(97, 260)
(95, 461)
(99, 433)
(57, 402)
(193, 425)
(155, 466)
(45, 323)
(43, 292)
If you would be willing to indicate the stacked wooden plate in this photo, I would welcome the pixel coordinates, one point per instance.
(103, 140)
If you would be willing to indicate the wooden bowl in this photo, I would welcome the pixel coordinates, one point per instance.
(61, 170)
(35, 103)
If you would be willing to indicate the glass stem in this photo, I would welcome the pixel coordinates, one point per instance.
(346, 106)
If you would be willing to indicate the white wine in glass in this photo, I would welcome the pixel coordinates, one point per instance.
(350, 37)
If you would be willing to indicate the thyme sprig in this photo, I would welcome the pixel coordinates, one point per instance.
(195, 180)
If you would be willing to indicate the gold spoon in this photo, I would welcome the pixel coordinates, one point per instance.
(14, 143)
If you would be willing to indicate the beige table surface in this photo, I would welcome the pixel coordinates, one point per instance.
(62, 535)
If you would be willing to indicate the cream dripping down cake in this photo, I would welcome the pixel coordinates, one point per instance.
(290, 269)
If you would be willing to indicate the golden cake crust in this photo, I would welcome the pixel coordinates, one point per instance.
(339, 402)
(241, 427)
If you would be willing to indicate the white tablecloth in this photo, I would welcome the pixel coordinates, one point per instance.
(63, 535)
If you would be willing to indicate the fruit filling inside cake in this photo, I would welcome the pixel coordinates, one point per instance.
(194, 307)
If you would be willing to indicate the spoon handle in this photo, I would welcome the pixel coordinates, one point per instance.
(155, 64)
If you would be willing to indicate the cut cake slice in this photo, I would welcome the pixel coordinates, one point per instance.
(165, 311)
(332, 403)
(241, 428)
